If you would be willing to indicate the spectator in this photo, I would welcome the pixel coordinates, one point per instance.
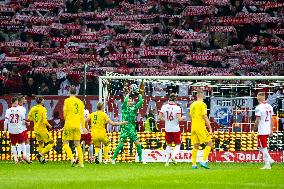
(56, 122)
(161, 38)
(30, 88)
(238, 117)
(43, 89)
(54, 84)
(13, 83)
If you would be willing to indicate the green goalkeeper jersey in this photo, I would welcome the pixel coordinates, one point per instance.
(129, 112)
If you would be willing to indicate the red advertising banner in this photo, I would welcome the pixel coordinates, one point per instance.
(215, 156)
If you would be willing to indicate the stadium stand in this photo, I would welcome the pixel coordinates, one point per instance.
(44, 44)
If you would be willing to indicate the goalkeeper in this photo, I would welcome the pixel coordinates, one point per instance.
(129, 110)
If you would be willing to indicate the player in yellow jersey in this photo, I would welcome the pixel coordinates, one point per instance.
(199, 133)
(38, 115)
(73, 111)
(98, 121)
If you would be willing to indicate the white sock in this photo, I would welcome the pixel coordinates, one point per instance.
(19, 149)
(24, 149)
(266, 156)
(14, 151)
(91, 151)
(176, 151)
(168, 153)
(28, 150)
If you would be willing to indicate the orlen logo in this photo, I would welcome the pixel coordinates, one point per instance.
(228, 156)
(155, 155)
(250, 157)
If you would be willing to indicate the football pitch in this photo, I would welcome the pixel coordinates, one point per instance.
(133, 175)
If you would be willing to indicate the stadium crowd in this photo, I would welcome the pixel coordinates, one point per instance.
(45, 43)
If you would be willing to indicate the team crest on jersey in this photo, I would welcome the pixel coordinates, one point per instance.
(222, 116)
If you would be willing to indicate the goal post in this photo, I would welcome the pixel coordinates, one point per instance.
(230, 100)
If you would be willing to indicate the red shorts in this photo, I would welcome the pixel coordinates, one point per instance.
(173, 137)
(25, 136)
(262, 141)
(16, 138)
(87, 138)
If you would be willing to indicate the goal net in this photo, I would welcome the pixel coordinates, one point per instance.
(230, 100)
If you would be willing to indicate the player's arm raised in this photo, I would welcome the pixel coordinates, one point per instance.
(140, 102)
(125, 101)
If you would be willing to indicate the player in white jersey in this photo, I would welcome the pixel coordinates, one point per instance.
(172, 115)
(86, 139)
(14, 119)
(264, 125)
(21, 102)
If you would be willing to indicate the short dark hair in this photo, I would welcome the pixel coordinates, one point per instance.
(39, 99)
(73, 90)
(173, 97)
(14, 99)
(56, 114)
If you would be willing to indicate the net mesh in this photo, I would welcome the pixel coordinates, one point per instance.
(230, 106)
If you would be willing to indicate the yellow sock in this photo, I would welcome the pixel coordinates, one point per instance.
(206, 153)
(97, 151)
(47, 149)
(68, 150)
(40, 148)
(80, 154)
(194, 156)
(106, 151)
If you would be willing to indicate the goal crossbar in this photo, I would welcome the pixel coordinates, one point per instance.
(172, 78)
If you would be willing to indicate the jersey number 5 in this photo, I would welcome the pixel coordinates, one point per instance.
(170, 116)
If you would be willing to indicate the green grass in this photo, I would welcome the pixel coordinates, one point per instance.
(132, 175)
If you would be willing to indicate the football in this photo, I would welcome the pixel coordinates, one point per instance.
(134, 88)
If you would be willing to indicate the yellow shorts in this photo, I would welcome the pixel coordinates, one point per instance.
(100, 137)
(200, 136)
(43, 136)
(71, 134)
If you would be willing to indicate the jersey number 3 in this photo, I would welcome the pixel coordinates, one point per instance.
(76, 108)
